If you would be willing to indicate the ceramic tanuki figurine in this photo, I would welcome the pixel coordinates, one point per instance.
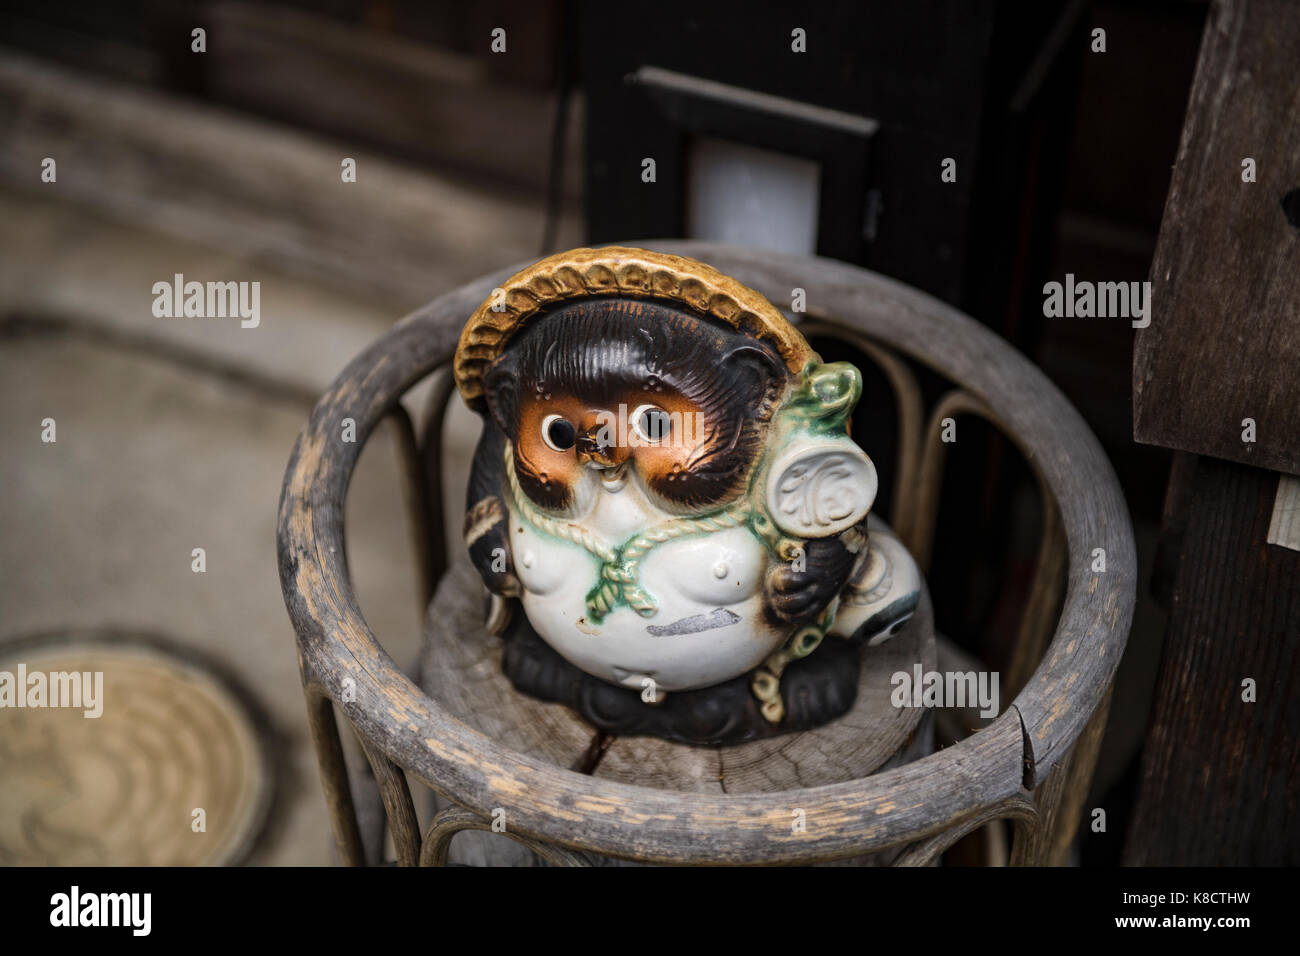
(666, 484)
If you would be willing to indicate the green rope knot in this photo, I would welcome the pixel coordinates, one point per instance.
(618, 585)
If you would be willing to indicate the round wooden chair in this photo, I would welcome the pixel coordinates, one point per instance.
(1031, 764)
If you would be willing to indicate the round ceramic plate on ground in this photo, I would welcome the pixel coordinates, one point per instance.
(171, 773)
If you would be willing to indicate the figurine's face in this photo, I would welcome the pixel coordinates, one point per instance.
(610, 391)
(570, 444)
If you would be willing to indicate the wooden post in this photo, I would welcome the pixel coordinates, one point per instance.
(1216, 374)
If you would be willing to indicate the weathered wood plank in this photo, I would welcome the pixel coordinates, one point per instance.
(413, 99)
(262, 190)
(1219, 774)
(1224, 341)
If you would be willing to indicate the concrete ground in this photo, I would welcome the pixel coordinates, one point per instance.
(160, 450)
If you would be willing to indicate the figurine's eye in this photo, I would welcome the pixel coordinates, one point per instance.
(652, 424)
(558, 433)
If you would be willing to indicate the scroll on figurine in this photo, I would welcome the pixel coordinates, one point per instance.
(666, 488)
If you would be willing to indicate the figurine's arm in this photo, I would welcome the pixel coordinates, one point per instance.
(798, 596)
(486, 522)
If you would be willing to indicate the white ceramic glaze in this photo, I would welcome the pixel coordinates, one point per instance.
(708, 626)
(820, 487)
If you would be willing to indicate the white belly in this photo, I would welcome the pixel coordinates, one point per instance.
(708, 625)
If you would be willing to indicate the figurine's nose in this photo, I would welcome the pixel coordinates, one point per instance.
(596, 447)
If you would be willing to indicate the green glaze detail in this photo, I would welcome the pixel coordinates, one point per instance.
(823, 398)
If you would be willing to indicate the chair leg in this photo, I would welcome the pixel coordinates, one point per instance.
(334, 776)
(398, 806)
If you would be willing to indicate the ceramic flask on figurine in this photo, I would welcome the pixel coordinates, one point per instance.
(666, 501)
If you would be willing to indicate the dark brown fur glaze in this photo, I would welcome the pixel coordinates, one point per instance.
(591, 356)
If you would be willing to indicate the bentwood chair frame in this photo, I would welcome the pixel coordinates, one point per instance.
(1031, 765)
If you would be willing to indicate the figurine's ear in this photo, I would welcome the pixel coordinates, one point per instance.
(499, 391)
(759, 374)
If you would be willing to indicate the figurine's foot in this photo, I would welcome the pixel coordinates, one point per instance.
(883, 592)
(821, 686)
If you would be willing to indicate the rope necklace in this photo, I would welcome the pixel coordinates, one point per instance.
(617, 579)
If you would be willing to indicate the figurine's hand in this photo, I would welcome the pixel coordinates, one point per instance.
(798, 591)
(488, 541)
